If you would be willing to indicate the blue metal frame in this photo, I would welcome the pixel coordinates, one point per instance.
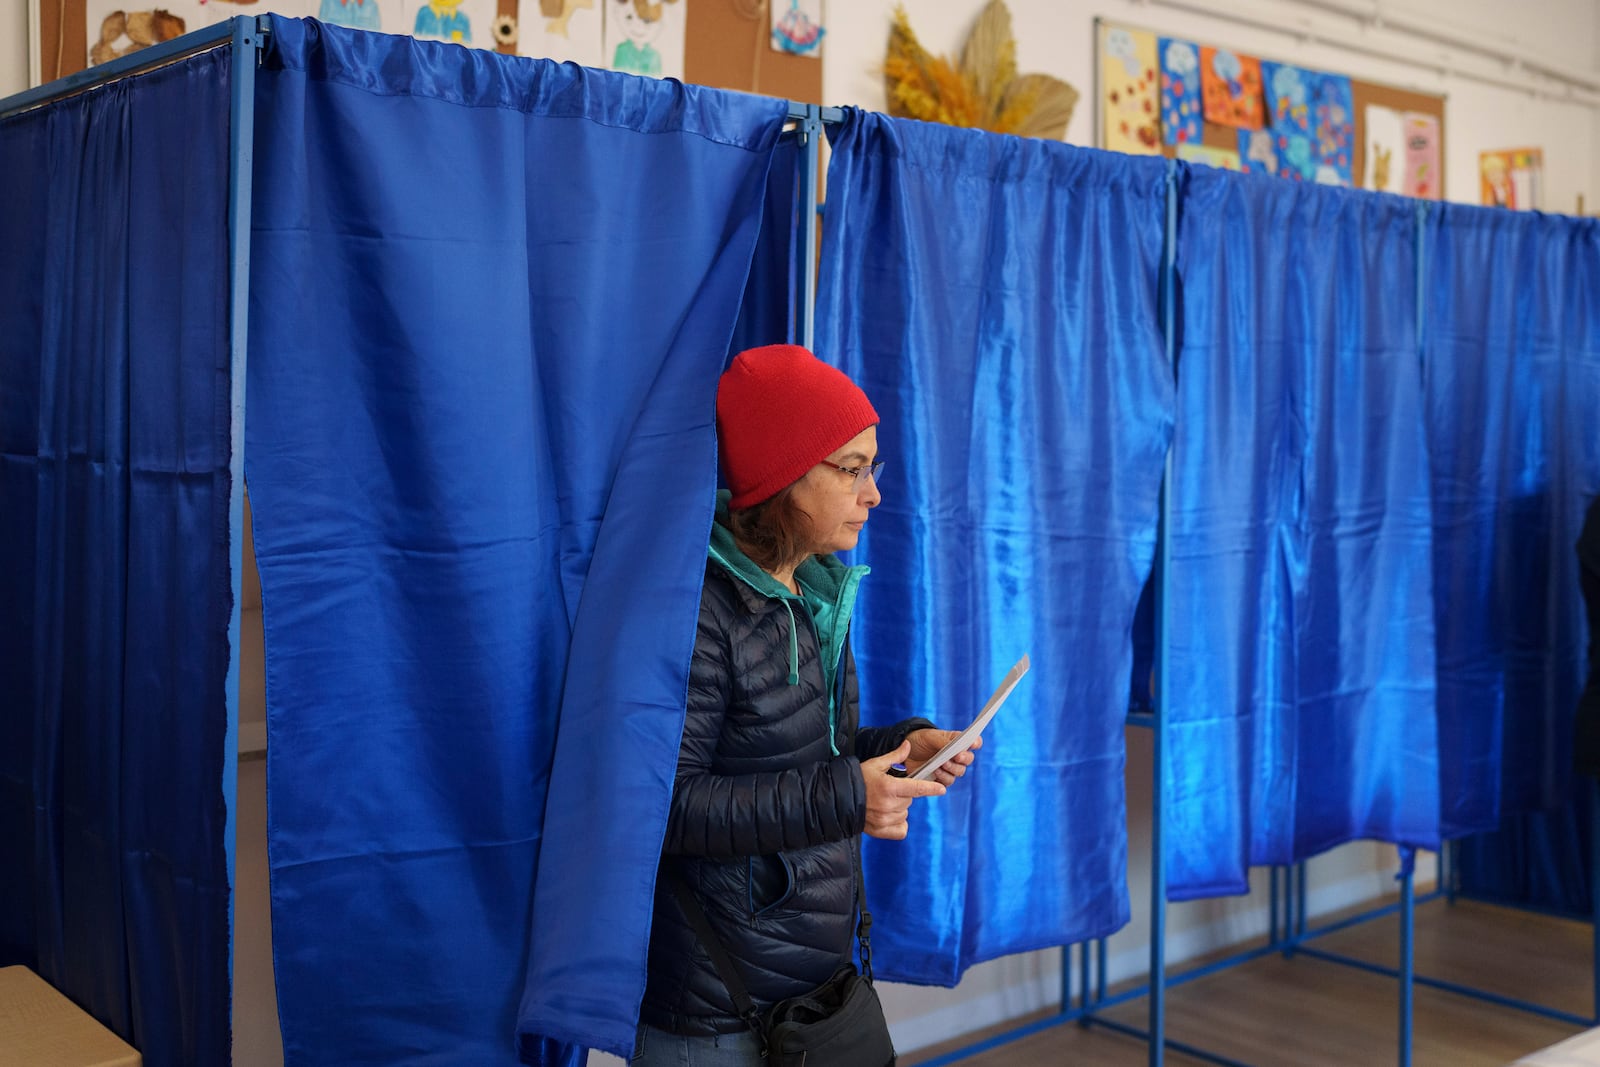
(146, 58)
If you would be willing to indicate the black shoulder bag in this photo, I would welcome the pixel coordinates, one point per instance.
(838, 1024)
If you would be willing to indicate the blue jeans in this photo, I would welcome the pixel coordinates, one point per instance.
(657, 1048)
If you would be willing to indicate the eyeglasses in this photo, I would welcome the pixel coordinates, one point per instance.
(860, 474)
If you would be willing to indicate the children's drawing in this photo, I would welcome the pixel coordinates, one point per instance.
(1297, 157)
(563, 30)
(1231, 85)
(1180, 92)
(1334, 127)
(1512, 177)
(642, 37)
(1129, 97)
(443, 20)
(1288, 101)
(1258, 152)
(1222, 158)
(1384, 145)
(357, 14)
(1422, 178)
(798, 28)
(121, 32)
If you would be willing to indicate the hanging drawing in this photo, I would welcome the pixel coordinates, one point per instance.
(1383, 143)
(1287, 99)
(1258, 152)
(1512, 178)
(645, 37)
(1422, 156)
(1129, 91)
(1180, 92)
(356, 14)
(564, 30)
(1334, 127)
(983, 90)
(797, 26)
(1231, 85)
(1221, 158)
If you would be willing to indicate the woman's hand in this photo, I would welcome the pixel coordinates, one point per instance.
(889, 797)
(926, 743)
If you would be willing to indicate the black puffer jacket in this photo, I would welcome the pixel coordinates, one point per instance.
(765, 818)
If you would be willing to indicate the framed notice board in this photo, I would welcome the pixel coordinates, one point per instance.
(1170, 96)
(726, 42)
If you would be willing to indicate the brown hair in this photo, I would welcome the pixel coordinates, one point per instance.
(770, 532)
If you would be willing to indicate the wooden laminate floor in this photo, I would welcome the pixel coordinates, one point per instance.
(1305, 1012)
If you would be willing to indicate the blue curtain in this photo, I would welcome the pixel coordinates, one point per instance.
(769, 312)
(1513, 343)
(1513, 379)
(114, 591)
(491, 299)
(1301, 640)
(996, 298)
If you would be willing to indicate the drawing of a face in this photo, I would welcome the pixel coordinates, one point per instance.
(640, 21)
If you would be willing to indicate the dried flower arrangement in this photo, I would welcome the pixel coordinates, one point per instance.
(983, 90)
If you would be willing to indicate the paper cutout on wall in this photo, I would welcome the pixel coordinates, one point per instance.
(1231, 84)
(1512, 178)
(1297, 157)
(1129, 80)
(797, 27)
(1288, 97)
(1258, 152)
(1384, 143)
(1222, 158)
(563, 30)
(645, 37)
(464, 22)
(1334, 127)
(356, 14)
(1180, 92)
(1422, 178)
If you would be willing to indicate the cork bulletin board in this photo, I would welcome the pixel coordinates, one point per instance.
(726, 44)
(1128, 62)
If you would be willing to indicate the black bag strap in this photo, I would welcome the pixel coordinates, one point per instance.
(729, 971)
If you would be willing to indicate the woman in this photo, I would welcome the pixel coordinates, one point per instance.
(776, 780)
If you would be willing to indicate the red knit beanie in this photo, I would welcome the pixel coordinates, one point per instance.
(780, 412)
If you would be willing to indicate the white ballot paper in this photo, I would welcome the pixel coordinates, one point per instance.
(964, 740)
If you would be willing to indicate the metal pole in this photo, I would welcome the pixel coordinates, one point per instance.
(248, 36)
(1407, 960)
(810, 133)
(1158, 860)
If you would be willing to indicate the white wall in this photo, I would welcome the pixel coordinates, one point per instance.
(13, 46)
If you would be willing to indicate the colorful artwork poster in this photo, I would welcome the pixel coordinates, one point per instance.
(1129, 97)
(1231, 85)
(1288, 97)
(1221, 158)
(645, 37)
(1334, 128)
(797, 27)
(1180, 92)
(1512, 178)
(563, 30)
(1297, 156)
(1422, 176)
(1258, 152)
(463, 22)
(114, 29)
(1384, 145)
